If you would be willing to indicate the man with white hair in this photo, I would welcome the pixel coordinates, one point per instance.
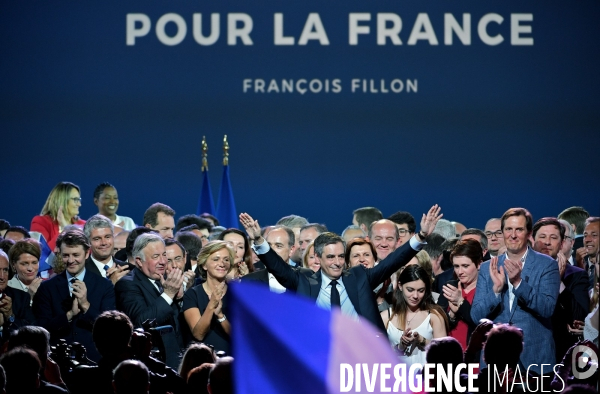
(145, 294)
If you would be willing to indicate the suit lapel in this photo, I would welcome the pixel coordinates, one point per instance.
(150, 288)
(349, 280)
(91, 267)
(529, 266)
(314, 281)
(62, 289)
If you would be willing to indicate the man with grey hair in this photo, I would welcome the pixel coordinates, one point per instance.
(353, 231)
(479, 236)
(445, 228)
(294, 222)
(308, 233)
(99, 230)
(568, 241)
(144, 293)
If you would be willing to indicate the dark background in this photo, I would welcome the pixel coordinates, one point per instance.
(491, 127)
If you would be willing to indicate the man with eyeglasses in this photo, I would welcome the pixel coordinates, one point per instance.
(520, 287)
(495, 238)
(568, 241)
(406, 226)
(176, 258)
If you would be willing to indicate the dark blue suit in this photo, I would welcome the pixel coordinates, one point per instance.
(21, 310)
(358, 281)
(52, 302)
(533, 306)
(140, 300)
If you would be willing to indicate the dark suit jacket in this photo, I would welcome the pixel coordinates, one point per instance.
(140, 300)
(257, 276)
(52, 301)
(572, 304)
(359, 281)
(93, 268)
(21, 310)
(438, 284)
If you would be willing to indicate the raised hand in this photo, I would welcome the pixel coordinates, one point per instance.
(250, 225)
(429, 220)
(479, 335)
(497, 275)
(61, 219)
(173, 283)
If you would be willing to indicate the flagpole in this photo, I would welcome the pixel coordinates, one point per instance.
(226, 212)
(205, 202)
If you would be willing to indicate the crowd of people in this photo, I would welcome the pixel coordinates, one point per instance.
(145, 308)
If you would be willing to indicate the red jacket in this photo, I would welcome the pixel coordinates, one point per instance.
(48, 228)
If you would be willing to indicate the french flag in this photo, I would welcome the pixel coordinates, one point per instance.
(47, 256)
(283, 343)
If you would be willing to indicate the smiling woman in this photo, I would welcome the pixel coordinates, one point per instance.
(106, 199)
(61, 209)
(205, 305)
(24, 259)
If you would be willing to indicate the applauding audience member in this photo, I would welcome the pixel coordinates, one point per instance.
(24, 259)
(60, 210)
(205, 306)
(67, 304)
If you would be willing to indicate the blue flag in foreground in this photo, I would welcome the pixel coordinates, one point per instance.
(283, 343)
(205, 202)
(226, 212)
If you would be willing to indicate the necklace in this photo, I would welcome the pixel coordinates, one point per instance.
(409, 320)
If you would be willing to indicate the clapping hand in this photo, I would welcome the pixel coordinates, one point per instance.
(173, 283)
(513, 270)
(497, 275)
(453, 295)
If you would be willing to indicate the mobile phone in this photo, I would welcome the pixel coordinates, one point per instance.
(453, 282)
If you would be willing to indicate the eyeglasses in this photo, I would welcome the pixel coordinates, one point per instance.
(489, 234)
(403, 232)
(75, 199)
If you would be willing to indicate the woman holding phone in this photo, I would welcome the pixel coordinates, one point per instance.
(466, 256)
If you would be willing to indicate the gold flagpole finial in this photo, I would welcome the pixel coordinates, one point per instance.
(204, 154)
(225, 151)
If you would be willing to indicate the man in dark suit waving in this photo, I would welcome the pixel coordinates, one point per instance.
(145, 294)
(68, 304)
(351, 290)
